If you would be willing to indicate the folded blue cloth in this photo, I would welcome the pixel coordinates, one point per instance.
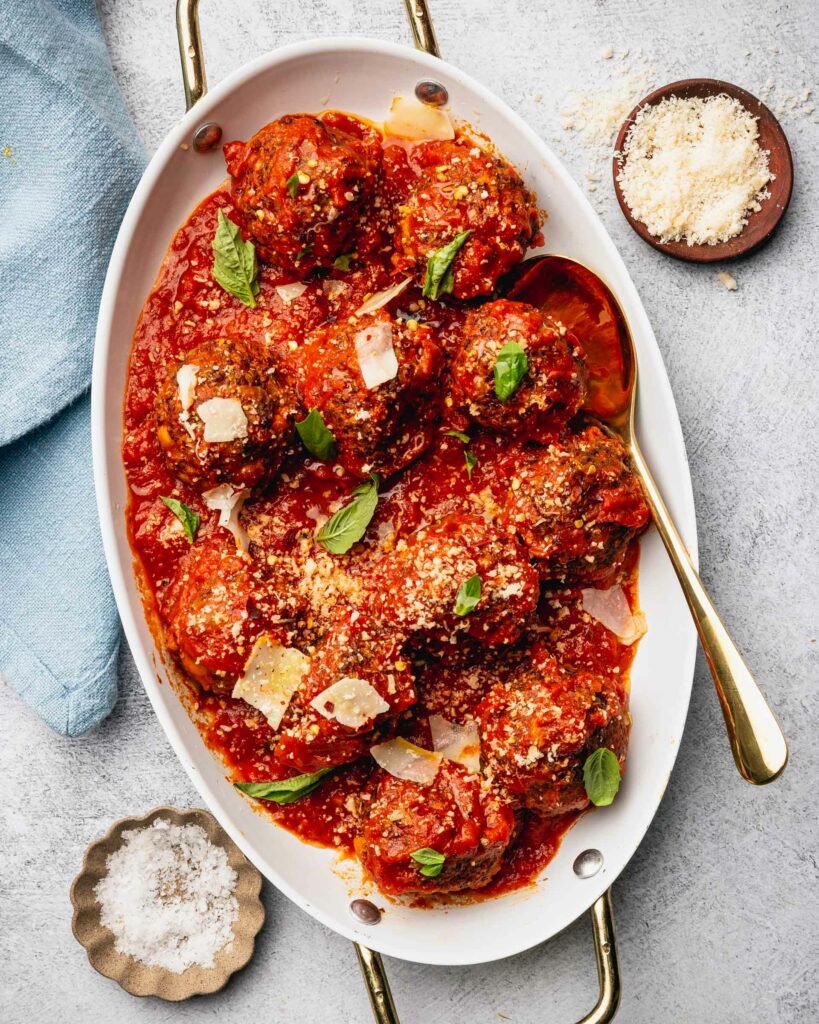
(69, 161)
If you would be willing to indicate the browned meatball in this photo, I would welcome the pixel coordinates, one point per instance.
(576, 504)
(549, 393)
(462, 187)
(415, 588)
(452, 816)
(352, 649)
(209, 614)
(538, 727)
(382, 426)
(300, 184)
(221, 418)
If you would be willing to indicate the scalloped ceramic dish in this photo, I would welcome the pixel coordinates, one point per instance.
(141, 979)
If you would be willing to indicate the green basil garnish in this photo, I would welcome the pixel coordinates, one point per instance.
(303, 252)
(461, 436)
(471, 460)
(438, 278)
(431, 861)
(186, 516)
(350, 523)
(601, 776)
(315, 436)
(234, 264)
(292, 184)
(510, 369)
(284, 791)
(342, 262)
(469, 593)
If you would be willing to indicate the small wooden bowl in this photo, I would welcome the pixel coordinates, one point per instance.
(762, 224)
(141, 979)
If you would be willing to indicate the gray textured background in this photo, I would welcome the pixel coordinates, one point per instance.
(717, 912)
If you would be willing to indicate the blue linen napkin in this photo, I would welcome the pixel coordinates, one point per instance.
(69, 161)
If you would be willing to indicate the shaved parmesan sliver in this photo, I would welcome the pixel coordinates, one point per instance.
(334, 289)
(376, 356)
(271, 677)
(611, 609)
(224, 419)
(351, 702)
(410, 119)
(288, 292)
(382, 298)
(228, 503)
(406, 761)
(186, 379)
(459, 743)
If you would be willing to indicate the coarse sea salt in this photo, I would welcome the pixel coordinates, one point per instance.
(168, 896)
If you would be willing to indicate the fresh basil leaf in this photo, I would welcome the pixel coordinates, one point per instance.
(284, 791)
(601, 776)
(292, 184)
(438, 277)
(303, 252)
(186, 516)
(234, 264)
(315, 436)
(459, 434)
(511, 367)
(432, 870)
(342, 262)
(471, 460)
(428, 857)
(350, 523)
(469, 593)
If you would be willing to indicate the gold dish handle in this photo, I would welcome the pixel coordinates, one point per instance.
(608, 971)
(372, 967)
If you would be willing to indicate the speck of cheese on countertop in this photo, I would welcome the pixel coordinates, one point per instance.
(693, 170)
(168, 896)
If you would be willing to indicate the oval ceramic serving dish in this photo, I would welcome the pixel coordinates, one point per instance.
(362, 76)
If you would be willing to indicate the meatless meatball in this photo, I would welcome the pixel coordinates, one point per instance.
(221, 418)
(353, 649)
(538, 728)
(300, 183)
(210, 614)
(464, 188)
(550, 392)
(576, 504)
(380, 423)
(452, 816)
(415, 588)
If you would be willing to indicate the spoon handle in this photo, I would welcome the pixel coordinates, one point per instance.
(757, 741)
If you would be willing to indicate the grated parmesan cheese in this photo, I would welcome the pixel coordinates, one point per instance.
(693, 170)
(168, 896)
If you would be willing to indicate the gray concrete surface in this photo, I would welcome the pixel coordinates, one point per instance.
(717, 912)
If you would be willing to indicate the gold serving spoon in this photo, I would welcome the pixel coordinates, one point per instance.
(577, 294)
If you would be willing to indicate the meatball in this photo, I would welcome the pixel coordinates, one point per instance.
(538, 728)
(378, 424)
(551, 391)
(352, 649)
(209, 611)
(221, 418)
(415, 588)
(464, 188)
(576, 504)
(453, 816)
(300, 184)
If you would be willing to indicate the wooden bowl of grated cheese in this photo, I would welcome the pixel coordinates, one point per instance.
(167, 905)
(702, 170)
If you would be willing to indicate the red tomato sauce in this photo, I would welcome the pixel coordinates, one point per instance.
(185, 308)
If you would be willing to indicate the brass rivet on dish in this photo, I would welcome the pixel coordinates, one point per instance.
(432, 93)
(206, 137)
(588, 863)
(365, 912)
